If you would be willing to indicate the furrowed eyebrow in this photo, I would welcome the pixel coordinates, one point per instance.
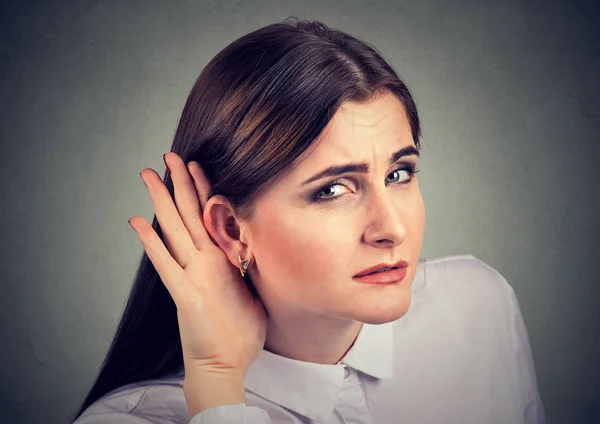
(334, 171)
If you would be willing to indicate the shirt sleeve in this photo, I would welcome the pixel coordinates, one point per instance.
(111, 418)
(221, 414)
(533, 412)
(239, 413)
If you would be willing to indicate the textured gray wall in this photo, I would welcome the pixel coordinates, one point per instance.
(91, 93)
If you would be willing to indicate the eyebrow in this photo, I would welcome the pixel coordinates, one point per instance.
(334, 171)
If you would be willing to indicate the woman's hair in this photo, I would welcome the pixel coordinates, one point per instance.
(257, 106)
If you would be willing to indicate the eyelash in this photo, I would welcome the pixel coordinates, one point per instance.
(410, 168)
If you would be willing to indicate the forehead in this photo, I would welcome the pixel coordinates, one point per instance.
(358, 129)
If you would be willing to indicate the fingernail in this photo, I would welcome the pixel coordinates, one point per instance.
(165, 159)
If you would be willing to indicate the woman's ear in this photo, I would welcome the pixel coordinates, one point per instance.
(222, 226)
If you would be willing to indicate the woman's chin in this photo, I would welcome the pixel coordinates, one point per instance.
(387, 310)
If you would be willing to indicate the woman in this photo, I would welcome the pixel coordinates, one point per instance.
(282, 280)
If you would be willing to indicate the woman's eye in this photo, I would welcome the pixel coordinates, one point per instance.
(329, 193)
(398, 171)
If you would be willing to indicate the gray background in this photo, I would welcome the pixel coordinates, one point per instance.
(91, 93)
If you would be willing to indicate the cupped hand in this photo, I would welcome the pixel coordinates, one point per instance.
(221, 324)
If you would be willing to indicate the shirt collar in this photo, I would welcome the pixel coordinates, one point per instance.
(312, 389)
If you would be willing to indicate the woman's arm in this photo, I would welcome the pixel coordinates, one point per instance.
(204, 390)
(216, 398)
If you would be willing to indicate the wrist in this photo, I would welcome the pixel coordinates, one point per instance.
(209, 388)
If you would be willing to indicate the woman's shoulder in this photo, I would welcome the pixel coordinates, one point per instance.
(462, 273)
(464, 302)
(149, 401)
(463, 287)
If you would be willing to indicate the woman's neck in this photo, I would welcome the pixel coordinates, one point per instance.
(318, 339)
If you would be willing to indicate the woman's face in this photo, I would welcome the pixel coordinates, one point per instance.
(309, 240)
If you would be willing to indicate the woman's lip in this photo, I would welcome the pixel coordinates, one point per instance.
(385, 277)
(399, 264)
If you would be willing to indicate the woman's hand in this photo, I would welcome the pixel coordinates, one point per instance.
(222, 325)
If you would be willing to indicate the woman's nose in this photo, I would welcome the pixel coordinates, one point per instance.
(385, 224)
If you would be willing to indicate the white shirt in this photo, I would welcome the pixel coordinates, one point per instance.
(460, 354)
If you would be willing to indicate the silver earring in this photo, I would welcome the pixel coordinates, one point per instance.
(243, 265)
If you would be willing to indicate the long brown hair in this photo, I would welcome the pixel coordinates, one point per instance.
(257, 106)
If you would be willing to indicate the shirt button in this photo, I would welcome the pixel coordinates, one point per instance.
(346, 372)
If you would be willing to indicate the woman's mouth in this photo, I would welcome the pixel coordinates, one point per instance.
(394, 275)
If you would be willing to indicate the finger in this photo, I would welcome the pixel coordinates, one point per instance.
(176, 236)
(200, 181)
(168, 269)
(202, 187)
(186, 199)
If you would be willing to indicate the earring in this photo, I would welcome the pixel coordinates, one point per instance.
(243, 265)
